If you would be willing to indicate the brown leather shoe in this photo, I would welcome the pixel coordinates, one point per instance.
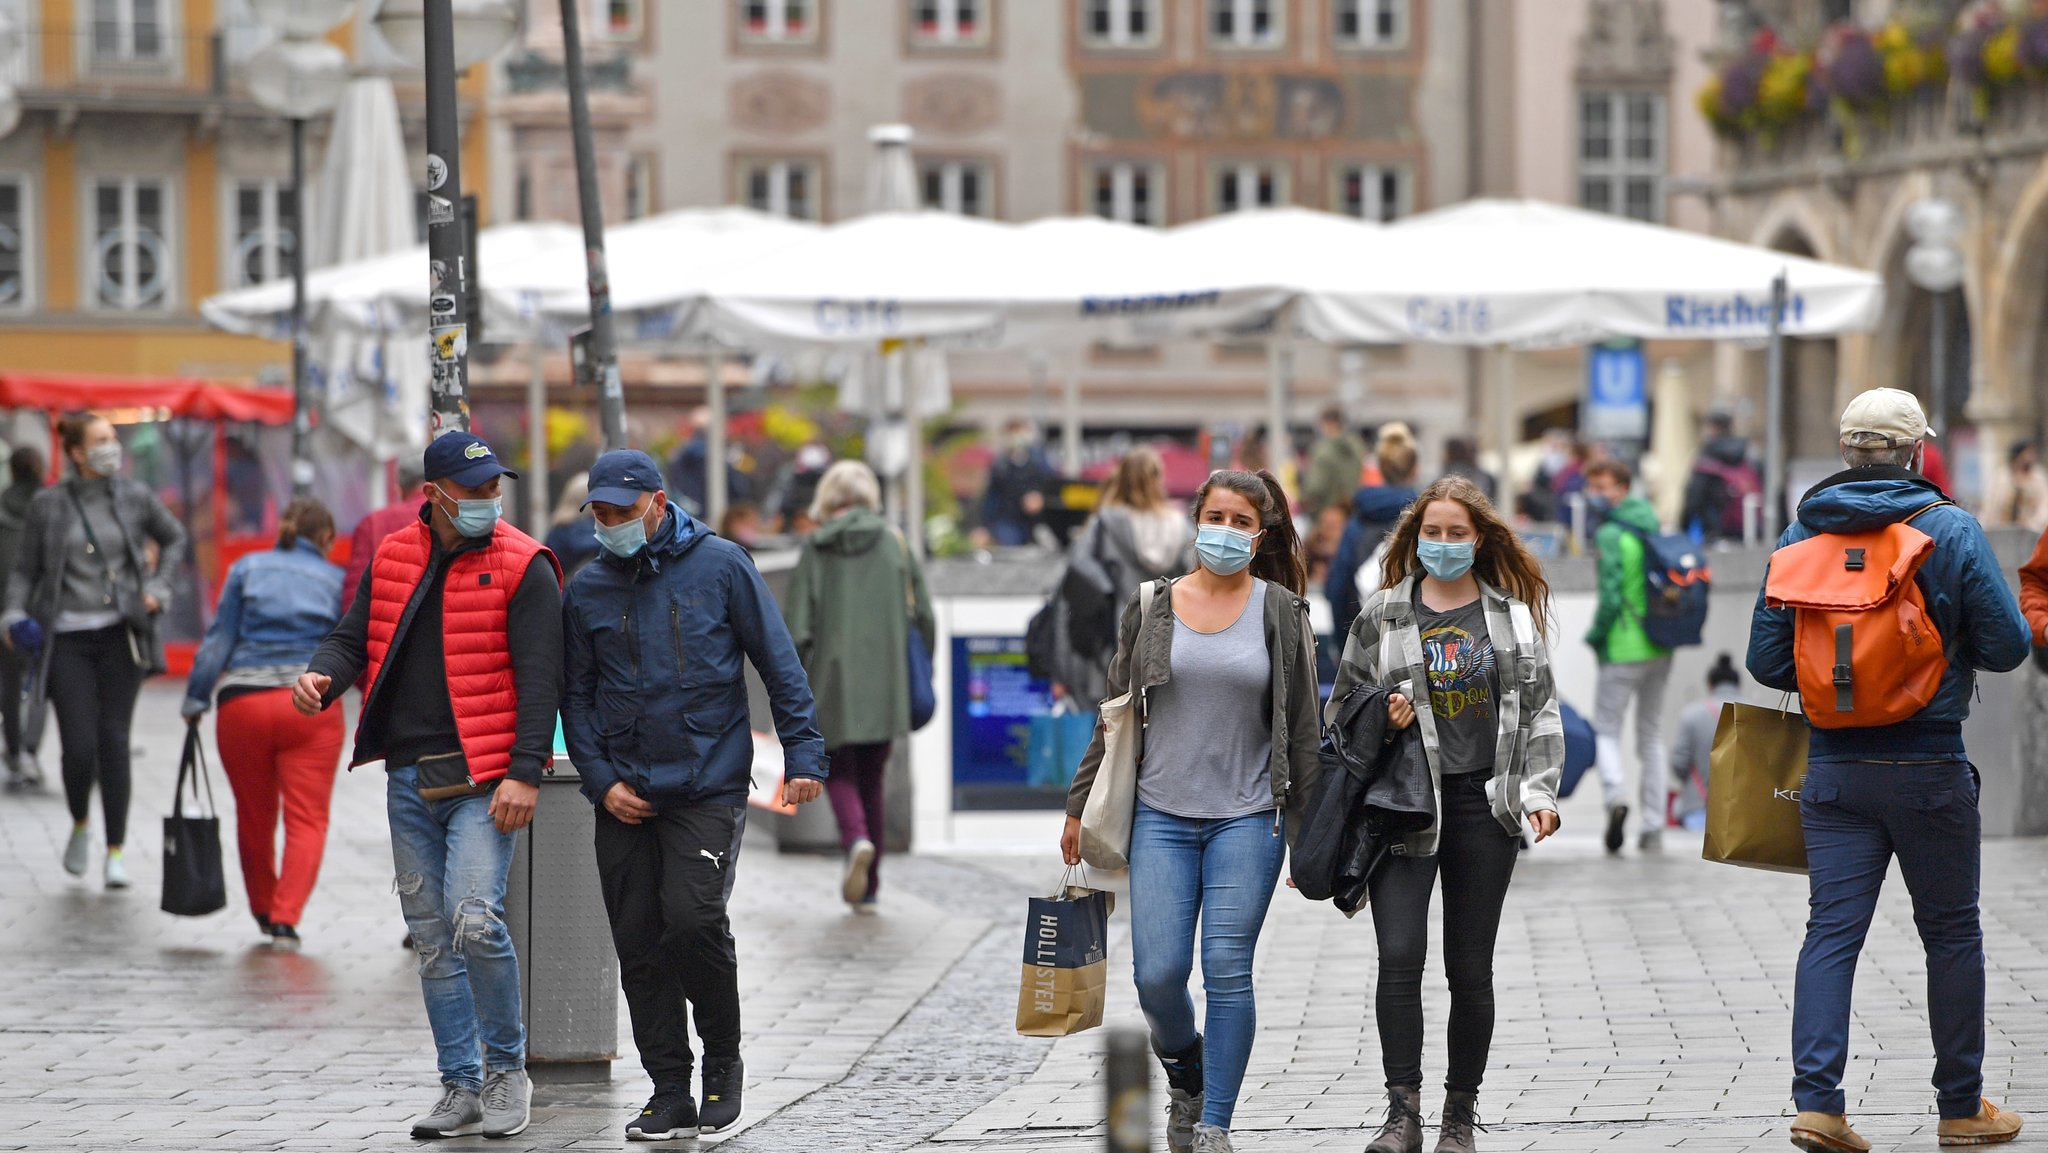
(1991, 1126)
(1826, 1133)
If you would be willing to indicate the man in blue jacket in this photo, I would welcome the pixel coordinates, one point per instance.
(1905, 790)
(655, 712)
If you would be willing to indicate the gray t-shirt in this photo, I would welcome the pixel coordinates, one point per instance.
(1464, 684)
(1210, 739)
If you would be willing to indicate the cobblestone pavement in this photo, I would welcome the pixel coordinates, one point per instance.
(1644, 1003)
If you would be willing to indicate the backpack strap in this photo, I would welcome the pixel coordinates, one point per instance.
(1845, 673)
(1925, 509)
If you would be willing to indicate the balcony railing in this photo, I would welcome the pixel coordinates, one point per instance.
(1933, 127)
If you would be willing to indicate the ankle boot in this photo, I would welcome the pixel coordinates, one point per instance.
(1402, 1132)
(1183, 1094)
(1461, 1117)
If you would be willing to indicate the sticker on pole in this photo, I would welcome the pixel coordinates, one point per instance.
(441, 304)
(451, 342)
(437, 172)
(440, 210)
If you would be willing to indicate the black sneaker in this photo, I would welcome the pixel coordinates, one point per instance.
(1617, 828)
(669, 1114)
(284, 938)
(721, 1108)
(262, 924)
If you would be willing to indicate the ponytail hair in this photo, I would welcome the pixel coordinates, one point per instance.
(1280, 558)
(304, 519)
(1723, 672)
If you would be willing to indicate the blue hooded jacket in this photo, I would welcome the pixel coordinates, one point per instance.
(656, 694)
(1966, 593)
(1375, 509)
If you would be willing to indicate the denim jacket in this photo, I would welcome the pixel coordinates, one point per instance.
(275, 608)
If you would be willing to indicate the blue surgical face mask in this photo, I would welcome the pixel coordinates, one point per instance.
(476, 518)
(1446, 560)
(1223, 550)
(625, 539)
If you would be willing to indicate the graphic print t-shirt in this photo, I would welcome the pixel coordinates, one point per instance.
(1464, 684)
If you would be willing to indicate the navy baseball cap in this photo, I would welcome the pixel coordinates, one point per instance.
(620, 476)
(464, 458)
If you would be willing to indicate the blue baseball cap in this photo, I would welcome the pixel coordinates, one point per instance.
(620, 476)
(464, 458)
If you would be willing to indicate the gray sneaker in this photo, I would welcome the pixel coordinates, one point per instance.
(77, 851)
(1183, 1110)
(1210, 1139)
(458, 1113)
(1651, 841)
(508, 1103)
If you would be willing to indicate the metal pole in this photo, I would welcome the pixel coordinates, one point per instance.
(302, 387)
(1774, 415)
(913, 474)
(1504, 421)
(715, 495)
(1937, 355)
(1128, 1074)
(1277, 443)
(537, 439)
(1070, 421)
(604, 344)
(448, 329)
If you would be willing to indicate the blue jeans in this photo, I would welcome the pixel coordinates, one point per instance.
(451, 863)
(1857, 817)
(1224, 871)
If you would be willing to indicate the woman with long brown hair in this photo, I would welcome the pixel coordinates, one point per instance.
(275, 609)
(1459, 623)
(1225, 672)
(1136, 535)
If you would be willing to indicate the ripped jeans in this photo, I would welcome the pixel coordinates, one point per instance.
(451, 863)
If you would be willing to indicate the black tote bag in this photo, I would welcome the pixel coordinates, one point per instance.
(194, 884)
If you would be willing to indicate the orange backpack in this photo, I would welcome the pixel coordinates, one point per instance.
(1866, 651)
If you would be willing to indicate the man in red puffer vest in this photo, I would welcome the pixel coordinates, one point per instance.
(458, 626)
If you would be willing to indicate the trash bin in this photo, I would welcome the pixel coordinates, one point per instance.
(554, 905)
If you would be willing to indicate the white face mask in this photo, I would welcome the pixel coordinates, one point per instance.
(104, 458)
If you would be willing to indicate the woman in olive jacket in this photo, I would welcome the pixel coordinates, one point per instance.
(1225, 667)
(856, 593)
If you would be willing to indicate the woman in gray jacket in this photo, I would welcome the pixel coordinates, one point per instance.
(84, 586)
(1137, 535)
(1225, 671)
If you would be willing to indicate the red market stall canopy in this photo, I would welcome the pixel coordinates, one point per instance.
(176, 396)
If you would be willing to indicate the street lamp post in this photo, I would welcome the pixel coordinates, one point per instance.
(299, 77)
(445, 36)
(604, 343)
(1935, 263)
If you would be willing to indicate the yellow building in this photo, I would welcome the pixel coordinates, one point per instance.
(143, 178)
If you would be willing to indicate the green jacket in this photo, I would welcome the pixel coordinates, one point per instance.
(1617, 636)
(1333, 473)
(856, 592)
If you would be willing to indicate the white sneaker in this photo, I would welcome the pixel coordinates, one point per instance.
(117, 871)
(860, 861)
(77, 851)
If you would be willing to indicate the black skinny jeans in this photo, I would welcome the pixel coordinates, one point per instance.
(93, 685)
(1477, 859)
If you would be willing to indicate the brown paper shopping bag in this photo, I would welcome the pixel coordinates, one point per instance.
(1758, 761)
(1066, 963)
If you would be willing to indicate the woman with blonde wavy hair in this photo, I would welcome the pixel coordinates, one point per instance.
(1459, 623)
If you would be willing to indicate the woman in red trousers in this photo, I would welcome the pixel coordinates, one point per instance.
(275, 608)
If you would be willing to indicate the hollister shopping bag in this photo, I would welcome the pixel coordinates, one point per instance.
(1758, 761)
(1066, 962)
(194, 884)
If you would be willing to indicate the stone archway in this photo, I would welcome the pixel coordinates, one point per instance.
(2008, 404)
(1902, 348)
(1812, 365)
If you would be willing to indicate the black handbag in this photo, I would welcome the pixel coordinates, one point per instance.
(194, 883)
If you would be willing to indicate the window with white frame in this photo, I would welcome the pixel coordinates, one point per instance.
(1371, 23)
(960, 186)
(1373, 192)
(781, 187)
(1128, 192)
(1120, 23)
(131, 257)
(14, 255)
(949, 21)
(265, 233)
(125, 30)
(1242, 186)
(619, 19)
(1244, 23)
(1621, 153)
(778, 21)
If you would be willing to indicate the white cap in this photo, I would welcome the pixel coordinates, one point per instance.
(1886, 415)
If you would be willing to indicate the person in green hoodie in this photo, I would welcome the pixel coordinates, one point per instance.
(856, 593)
(1631, 668)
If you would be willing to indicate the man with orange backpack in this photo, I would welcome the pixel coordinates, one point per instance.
(1882, 604)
